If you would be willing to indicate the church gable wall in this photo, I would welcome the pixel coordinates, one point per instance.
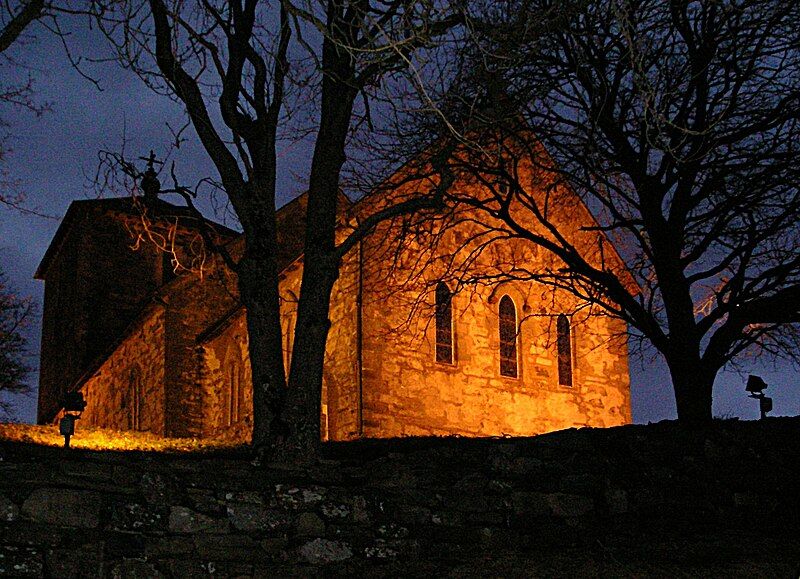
(407, 392)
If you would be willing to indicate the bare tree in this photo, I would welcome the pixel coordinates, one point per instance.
(231, 65)
(678, 125)
(15, 18)
(14, 314)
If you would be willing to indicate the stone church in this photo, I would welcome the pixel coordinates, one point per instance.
(156, 340)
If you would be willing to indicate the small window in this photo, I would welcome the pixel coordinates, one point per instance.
(564, 351)
(167, 267)
(508, 338)
(234, 394)
(444, 324)
(136, 396)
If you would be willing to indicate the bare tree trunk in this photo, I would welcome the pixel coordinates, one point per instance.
(693, 384)
(258, 288)
(321, 261)
(308, 357)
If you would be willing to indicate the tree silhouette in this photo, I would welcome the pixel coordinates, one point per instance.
(14, 314)
(240, 68)
(678, 125)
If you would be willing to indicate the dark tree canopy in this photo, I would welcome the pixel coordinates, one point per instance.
(15, 18)
(14, 314)
(242, 69)
(678, 125)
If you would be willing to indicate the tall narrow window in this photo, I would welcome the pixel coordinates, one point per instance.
(564, 351)
(444, 324)
(233, 410)
(232, 402)
(508, 338)
(136, 398)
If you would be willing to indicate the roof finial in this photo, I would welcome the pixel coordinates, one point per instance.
(150, 184)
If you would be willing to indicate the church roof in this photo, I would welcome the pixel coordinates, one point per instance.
(290, 221)
(157, 208)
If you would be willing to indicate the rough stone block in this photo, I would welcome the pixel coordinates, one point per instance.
(381, 550)
(296, 497)
(616, 500)
(88, 470)
(238, 548)
(138, 517)
(184, 520)
(134, 569)
(309, 525)
(8, 510)
(323, 551)
(84, 561)
(20, 561)
(535, 504)
(275, 545)
(255, 517)
(160, 547)
(157, 489)
(332, 510)
(63, 507)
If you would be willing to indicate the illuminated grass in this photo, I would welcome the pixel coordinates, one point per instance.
(92, 438)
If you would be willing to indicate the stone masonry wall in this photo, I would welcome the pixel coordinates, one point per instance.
(630, 501)
(95, 287)
(193, 305)
(407, 392)
(221, 356)
(110, 392)
(227, 351)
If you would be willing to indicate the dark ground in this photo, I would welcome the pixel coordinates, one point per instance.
(633, 501)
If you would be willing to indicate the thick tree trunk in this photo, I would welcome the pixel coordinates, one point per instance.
(258, 288)
(308, 358)
(693, 384)
(320, 261)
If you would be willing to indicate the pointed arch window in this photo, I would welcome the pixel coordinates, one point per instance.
(564, 342)
(508, 338)
(444, 324)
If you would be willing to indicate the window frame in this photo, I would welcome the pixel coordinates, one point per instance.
(564, 351)
(451, 328)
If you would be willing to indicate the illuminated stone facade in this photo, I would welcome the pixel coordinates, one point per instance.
(180, 367)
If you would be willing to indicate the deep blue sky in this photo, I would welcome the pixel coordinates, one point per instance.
(55, 158)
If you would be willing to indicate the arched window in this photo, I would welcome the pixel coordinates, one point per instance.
(444, 324)
(564, 351)
(508, 338)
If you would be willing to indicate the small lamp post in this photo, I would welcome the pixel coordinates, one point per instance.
(74, 405)
(755, 386)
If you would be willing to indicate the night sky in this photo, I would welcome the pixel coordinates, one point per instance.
(55, 157)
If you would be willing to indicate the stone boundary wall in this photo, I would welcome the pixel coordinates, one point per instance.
(621, 501)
